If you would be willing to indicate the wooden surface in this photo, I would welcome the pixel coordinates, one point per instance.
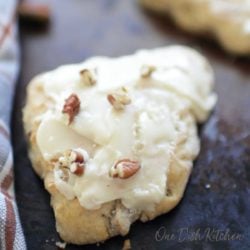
(83, 28)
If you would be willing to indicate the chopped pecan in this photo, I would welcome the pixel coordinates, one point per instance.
(71, 106)
(147, 70)
(124, 169)
(76, 156)
(119, 99)
(71, 160)
(88, 76)
(77, 168)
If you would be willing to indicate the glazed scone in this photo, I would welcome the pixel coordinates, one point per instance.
(114, 139)
(227, 20)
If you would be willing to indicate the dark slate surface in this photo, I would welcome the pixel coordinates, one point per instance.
(115, 27)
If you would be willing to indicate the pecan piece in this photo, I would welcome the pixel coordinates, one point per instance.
(71, 106)
(34, 13)
(147, 70)
(77, 168)
(119, 99)
(73, 161)
(124, 169)
(88, 76)
(76, 156)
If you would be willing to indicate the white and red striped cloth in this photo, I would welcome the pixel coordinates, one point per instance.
(11, 234)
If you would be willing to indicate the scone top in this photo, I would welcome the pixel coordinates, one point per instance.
(115, 124)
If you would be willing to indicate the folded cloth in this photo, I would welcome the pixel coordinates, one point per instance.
(11, 234)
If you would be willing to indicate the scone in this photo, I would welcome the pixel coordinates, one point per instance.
(227, 20)
(114, 139)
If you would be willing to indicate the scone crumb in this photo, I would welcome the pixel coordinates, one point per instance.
(126, 245)
(147, 70)
(71, 107)
(61, 245)
(88, 76)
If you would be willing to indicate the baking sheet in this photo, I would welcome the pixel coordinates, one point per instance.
(216, 201)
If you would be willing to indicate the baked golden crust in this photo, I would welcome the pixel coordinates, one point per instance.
(78, 225)
(226, 21)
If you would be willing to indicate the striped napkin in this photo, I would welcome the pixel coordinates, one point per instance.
(11, 235)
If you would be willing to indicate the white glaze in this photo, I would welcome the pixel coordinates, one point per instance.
(147, 130)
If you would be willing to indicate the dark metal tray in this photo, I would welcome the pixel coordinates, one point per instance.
(207, 218)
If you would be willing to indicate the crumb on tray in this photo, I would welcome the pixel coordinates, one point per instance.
(126, 245)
